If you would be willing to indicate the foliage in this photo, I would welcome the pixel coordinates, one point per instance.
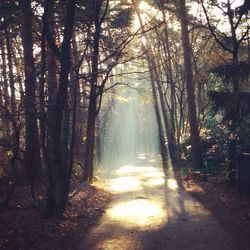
(123, 18)
(214, 137)
(229, 71)
(244, 135)
(236, 106)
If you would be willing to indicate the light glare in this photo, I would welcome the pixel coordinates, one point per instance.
(172, 184)
(138, 212)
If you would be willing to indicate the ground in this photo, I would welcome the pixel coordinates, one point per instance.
(23, 227)
(231, 207)
(147, 211)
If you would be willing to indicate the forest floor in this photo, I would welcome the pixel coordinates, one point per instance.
(145, 212)
(23, 227)
(230, 207)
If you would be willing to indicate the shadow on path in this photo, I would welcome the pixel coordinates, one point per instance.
(149, 211)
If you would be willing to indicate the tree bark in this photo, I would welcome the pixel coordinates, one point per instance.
(90, 142)
(10, 67)
(153, 79)
(5, 92)
(32, 148)
(167, 123)
(173, 110)
(59, 169)
(194, 132)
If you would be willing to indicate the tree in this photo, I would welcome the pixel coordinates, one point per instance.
(32, 148)
(111, 51)
(59, 169)
(98, 20)
(234, 72)
(232, 40)
(154, 79)
(194, 132)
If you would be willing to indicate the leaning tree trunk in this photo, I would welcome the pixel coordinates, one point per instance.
(153, 77)
(161, 133)
(194, 132)
(32, 148)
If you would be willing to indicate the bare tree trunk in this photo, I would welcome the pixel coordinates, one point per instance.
(89, 153)
(98, 140)
(90, 142)
(43, 117)
(194, 132)
(74, 90)
(161, 133)
(153, 78)
(167, 122)
(167, 52)
(59, 169)
(5, 93)
(32, 149)
(19, 76)
(10, 67)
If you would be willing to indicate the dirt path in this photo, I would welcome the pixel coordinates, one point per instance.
(149, 211)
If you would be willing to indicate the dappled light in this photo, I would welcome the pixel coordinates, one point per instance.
(135, 169)
(172, 184)
(147, 12)
(124, 184)
(157, 173)
(155, 182)
(113, 112)
(152, 161)
(141, 157)
(136, 177)
(139, 212)
(144, 6)
(148, 209)
(115, 243)
(137, 208)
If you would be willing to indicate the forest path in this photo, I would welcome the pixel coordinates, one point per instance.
(150, 211)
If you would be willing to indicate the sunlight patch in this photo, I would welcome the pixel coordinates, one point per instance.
(139, 213)
(156, 182)
(152, 160)
(141, 157)
(120, 243)
(132, 169)
(172, 184)
(123, 184)
(153, 174)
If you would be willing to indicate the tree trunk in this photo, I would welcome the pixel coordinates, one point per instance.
(5, 93)
(98, 140)
(173, 110)
(74, 91)
(195, 139)
(43, 117)
(90, 142)
(32, 149)
(10, 67)
(169, 132)
(153, 78)
(161, 134)
(59, 169)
